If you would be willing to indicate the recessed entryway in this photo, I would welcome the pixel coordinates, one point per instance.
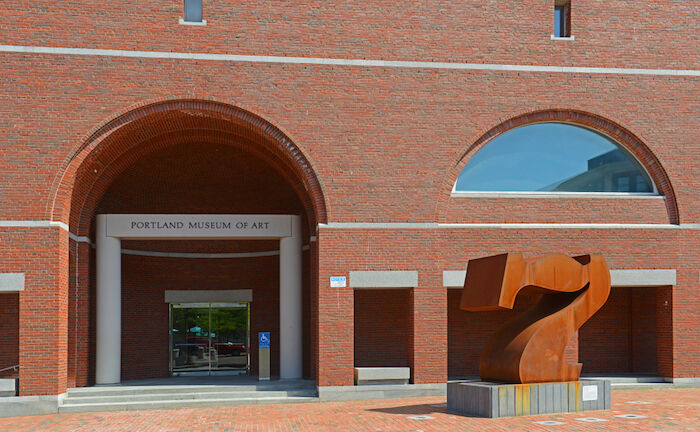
(192, 348)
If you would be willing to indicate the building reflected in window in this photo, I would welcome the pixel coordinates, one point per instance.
(553, 157)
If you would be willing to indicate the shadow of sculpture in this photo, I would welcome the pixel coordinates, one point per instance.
(530, 348)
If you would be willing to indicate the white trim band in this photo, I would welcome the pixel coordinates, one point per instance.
(379, 225)
(405, 225)
(618, 278)
(81, 239)
(569, 226)
(432, 225)
(26, 49)
(32, 224)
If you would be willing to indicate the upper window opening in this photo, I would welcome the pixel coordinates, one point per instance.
(562, 18)
(193, 10)
(553, 157)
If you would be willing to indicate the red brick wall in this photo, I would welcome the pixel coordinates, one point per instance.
(682, 303)
(402, 30)
(42, 255)
(397, 249)
(556, 210)
(81, 315)
(9, 333)
(354, 190)
(380, 250)
(382, 328)
(382, 142)
(621, 337)
(145, 314)
(196, 177)
(665, 336)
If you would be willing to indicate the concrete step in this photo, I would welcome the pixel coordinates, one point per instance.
(185, 395)
(641, 385)
(621, 379)
(165, 404)
(175, 389)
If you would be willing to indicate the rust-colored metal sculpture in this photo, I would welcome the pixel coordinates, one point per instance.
(530, 347)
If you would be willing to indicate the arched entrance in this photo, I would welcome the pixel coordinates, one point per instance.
(184, 157)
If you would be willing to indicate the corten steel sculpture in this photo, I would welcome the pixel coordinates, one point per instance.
(530, 347)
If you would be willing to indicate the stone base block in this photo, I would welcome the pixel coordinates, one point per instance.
(488, 399)
(8, 386)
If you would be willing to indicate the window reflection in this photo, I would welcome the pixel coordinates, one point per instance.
(208, 338)
(553, 157)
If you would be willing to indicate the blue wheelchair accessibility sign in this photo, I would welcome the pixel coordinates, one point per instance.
(264, 340)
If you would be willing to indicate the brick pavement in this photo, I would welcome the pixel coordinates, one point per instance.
(662, 410)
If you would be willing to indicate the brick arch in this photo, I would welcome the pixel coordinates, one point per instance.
(91, 188)
(619, 134)
(93, 162)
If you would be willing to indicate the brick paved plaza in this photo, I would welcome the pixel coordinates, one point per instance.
(658, 410)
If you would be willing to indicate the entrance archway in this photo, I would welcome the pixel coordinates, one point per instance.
(111, 229)
(191, 157)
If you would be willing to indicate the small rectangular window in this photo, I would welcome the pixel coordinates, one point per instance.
(193, 10)
(562, 17)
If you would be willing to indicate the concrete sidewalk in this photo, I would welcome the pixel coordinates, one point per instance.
(674, 409)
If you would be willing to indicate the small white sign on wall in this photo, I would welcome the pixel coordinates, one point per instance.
(338, 282)
(590, 393)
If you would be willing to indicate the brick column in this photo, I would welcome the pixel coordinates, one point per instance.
(429, 337)
(686, 309)
(664, 331)
(43, 320)
(79, 328)
(335, 331)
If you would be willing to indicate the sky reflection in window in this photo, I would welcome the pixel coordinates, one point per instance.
(553, 157)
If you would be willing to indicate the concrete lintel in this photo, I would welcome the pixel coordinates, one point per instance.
(11, 282)
(197, 226)
(454, 278)
(618, 278)
(637, 278)
(208, 296)
(380, 391)
(384, 279)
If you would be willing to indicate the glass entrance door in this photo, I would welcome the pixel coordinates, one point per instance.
(209, 337)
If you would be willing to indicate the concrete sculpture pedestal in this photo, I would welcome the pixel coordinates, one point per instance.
(488, 399)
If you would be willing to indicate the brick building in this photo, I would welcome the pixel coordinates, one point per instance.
(357, 117)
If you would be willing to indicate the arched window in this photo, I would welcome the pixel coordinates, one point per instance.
(553, 157)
